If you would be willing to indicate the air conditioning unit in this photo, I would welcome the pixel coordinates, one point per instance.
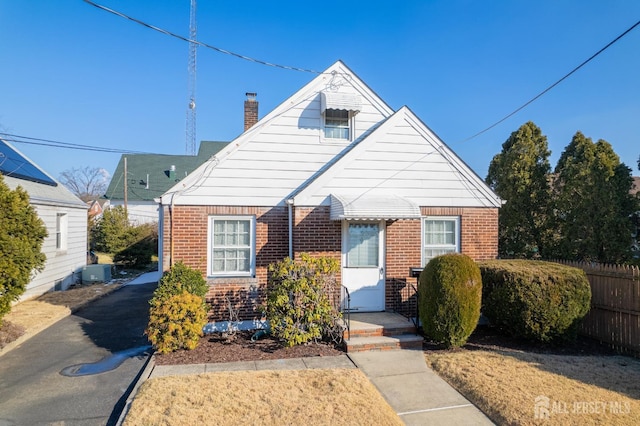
(96, 274)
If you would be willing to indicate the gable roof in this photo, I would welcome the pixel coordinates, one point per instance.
(41, 187)
(284, 156)
(401, 157)
(282, 150)
(151, 175)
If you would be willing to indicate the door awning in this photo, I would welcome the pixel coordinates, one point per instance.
(345, 101)
(372, 207)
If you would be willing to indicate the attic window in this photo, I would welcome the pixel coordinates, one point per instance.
(338, 110)
(336, 124)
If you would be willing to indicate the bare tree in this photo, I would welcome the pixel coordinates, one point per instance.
(88, 183)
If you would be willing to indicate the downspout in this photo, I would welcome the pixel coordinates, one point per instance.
(290, 208)
(171, 231)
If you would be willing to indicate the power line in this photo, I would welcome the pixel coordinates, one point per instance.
(208, 46)
(554, 84)
(66, 145)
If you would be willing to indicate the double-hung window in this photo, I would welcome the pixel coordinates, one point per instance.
(440, 235)
(61, 231)
(336, 124)
(232, 246)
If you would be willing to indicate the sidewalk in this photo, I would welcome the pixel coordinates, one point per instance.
(402, 377)
(414, 391)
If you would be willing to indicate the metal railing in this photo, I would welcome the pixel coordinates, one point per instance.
(404, 299)
(346, 297)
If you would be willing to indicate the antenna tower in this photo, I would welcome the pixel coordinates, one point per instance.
(191, 105)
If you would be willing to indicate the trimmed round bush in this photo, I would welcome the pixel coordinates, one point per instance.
(176, 322)
(450, 292)
(540, 301)
(181, 278)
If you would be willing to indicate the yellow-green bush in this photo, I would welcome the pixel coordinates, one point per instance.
(449, 297)
(176, 322)
(298, 306)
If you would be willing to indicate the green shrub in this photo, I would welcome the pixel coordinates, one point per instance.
(537, 300)
(181, 278)
(450, 291)
(139, 254)
(176, 322)
(22, 234)
(298, 306)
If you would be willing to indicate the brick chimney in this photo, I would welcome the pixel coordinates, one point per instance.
(250, 110)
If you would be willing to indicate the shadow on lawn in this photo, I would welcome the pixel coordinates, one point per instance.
(584, 359)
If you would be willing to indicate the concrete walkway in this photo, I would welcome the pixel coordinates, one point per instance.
(414, 391)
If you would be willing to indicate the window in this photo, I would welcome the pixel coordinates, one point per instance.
(363, 245)
(232, 246)
(440, 235)
(61, 231)
(336, 124)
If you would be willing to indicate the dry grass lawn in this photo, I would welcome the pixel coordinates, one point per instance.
(305, 397)
(581, 390)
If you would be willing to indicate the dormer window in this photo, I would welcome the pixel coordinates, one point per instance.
(339, 110)
(336, 124)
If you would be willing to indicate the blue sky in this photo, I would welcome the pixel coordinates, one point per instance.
(73, 73)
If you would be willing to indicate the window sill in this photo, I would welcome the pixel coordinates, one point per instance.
(248, 281)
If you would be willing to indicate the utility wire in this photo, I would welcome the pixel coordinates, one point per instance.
(554, 84)
(67, 145)
(199, 43)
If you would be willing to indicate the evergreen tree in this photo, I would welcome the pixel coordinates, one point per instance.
(22, 233)
(111, 233)
(519, 175)
(593, 203)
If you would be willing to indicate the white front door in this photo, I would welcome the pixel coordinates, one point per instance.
(363, 264)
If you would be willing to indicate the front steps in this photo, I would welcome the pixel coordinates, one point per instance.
(378, 331)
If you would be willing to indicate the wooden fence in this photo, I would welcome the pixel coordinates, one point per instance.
(614, 317)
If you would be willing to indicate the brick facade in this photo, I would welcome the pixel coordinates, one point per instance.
(313, 233)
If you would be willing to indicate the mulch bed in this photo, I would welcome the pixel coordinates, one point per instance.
(215, 348)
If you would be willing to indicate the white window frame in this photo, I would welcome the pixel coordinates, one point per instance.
(450, 247)
(252, 248)
(62, 231)
(350, 126)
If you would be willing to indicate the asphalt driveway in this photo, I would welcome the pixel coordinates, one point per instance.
(52, 378)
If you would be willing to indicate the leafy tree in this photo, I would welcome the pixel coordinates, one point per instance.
(519, 175)
(593, 202)
(22, 233)
(88, 183)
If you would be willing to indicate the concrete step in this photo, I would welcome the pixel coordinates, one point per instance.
(380, 343)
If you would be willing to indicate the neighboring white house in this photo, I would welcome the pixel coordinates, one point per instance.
(64, 215)
(149, 176)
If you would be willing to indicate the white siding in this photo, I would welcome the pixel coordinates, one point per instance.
(285, 155)
(280, 153)
(139, 212)
(62, 267)
(402, 157)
